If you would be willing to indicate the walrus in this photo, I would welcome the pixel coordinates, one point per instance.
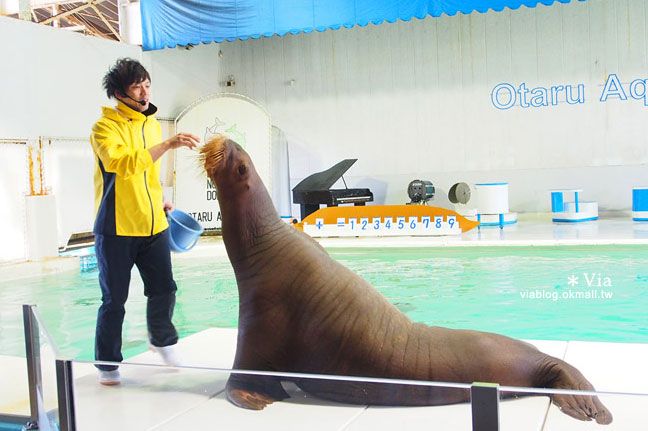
(300, 311)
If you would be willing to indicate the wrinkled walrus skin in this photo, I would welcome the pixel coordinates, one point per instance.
(301, 311)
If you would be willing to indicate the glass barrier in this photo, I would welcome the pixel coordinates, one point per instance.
(28, 398)
(46, 390)
(14, 387)
(568, 410)
(150, 395)
(166, 398)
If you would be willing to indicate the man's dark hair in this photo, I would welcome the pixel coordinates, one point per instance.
(123, 74)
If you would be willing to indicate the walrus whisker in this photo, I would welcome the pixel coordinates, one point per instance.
(212, 153)
(197, 165)
(211, 163)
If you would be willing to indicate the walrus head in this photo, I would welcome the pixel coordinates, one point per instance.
(246, 207)
(228, 166)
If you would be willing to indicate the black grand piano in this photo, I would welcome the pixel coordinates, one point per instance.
(315, 190)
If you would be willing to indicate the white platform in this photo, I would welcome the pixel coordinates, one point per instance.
(531, 229)
(487, 220)
(157, 398)
(587, 211)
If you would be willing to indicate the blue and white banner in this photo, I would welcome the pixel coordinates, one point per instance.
(168, 23)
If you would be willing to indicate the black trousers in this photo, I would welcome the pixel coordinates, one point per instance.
(116, 256)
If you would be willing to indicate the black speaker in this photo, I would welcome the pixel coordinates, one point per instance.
(420, 191)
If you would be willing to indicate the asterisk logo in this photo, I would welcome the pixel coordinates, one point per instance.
(572, 280)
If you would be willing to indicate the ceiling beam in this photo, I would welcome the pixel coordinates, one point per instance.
(77, 19)
(75, 28)
(90, 3)
(105, 21)
(55, 2)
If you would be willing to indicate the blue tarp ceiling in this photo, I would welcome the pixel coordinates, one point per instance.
(167, 23)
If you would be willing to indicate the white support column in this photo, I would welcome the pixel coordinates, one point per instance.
(42, 227)
(130, 22)
(24, 11)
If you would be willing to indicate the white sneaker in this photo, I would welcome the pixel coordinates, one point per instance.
(109, 378)
(169, 355)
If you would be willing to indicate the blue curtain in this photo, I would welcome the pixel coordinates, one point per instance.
(167, 23)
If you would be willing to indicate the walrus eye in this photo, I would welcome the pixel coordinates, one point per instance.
(242, 169)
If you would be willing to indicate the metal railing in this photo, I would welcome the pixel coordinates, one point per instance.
(34, 374)
(484, 396)
(64, 377)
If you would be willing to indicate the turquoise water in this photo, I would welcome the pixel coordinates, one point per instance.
(10, 427)
(593, 293)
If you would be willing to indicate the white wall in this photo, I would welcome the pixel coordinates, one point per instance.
(413, 99)
(409, 100)
(182, 76)
(13, 183)
(50, 82)
(51, 79)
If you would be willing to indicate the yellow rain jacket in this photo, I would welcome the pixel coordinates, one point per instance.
(128, 193)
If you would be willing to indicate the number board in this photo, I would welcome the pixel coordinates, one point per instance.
(386, 226)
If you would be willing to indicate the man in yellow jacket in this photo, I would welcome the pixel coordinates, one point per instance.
(131, 226)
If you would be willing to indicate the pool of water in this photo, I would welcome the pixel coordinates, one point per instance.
(10, 427)
(593, 293)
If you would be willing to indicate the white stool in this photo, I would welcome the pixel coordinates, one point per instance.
(572, 212)
(640, 203)
(492, 205)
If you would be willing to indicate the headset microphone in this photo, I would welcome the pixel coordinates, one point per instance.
(141, 102)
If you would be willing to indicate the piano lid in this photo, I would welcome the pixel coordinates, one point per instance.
(324, 180)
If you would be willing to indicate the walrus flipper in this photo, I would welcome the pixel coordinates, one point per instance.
(585, 408)
(254, 392)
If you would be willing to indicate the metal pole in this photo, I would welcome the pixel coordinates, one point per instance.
(34, 377)
(484, 400)
(65, 389)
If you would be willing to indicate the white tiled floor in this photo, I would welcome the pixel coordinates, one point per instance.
(14, 387)
(610, 367)
(515, 415)
(14, 391)
(155, 398)
(530, 230)
(298, 413)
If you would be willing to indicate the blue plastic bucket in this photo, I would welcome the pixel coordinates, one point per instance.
(184, 231)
